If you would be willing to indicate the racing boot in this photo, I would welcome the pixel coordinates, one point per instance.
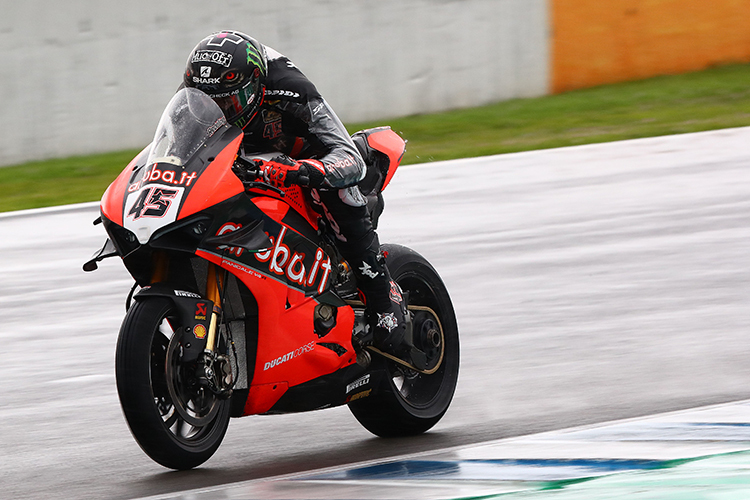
(386, 308)
(384, 303)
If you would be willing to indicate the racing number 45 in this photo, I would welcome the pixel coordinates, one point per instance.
(153, 202)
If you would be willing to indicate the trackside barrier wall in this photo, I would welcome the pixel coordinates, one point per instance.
(85, 76)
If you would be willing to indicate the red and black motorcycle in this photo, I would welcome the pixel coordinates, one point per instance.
(244, 305)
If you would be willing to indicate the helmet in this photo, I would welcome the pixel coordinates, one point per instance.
(231, 68)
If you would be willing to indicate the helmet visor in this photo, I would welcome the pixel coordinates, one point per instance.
(240, 102)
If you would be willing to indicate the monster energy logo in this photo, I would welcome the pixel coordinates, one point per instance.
(253, 57)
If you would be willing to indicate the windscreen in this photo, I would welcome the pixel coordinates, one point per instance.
(189, 120)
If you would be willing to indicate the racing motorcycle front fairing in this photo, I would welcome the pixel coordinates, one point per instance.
(182, 173)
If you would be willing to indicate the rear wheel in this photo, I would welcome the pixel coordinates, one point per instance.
(176, 421)
(409, 402)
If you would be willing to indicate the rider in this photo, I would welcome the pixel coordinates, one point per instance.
(279, 109)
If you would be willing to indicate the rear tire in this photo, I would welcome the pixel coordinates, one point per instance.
(147, 383)
(408, 403)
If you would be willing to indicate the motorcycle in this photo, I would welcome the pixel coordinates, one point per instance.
(244, 306)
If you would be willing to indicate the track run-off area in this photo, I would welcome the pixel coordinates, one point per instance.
(592, 284)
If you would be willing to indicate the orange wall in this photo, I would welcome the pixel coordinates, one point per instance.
(605, 41)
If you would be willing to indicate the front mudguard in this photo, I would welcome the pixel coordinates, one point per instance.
(194, 313)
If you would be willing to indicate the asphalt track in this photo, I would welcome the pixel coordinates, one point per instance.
(591, 284)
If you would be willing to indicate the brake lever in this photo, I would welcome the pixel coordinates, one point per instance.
(263, 185)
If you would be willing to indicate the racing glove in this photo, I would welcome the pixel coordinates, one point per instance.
(284, 171)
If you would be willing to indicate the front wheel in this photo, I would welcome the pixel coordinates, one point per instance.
(408, 402)
(177, 422)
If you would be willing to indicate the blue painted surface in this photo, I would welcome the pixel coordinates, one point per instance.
(490, 470)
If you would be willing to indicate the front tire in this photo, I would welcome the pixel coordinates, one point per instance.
(408, 403)
(151, 384)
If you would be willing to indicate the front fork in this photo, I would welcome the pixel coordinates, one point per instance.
(217, 368)
(214, 370)
(213, 286)
(214, 281)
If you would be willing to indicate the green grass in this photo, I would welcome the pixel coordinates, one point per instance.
(712, 99)
(707, 100)
(60, 182)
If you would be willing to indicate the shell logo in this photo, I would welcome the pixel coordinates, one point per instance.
(200, 331)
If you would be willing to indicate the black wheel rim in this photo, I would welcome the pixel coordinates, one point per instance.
(187, 411)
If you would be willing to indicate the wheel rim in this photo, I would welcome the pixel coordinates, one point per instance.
(187, 410)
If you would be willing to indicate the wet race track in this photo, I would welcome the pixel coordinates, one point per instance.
(590, 284)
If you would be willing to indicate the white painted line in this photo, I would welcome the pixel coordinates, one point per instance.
(92, 205)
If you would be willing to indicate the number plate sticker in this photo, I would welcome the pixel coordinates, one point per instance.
(151, 207)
